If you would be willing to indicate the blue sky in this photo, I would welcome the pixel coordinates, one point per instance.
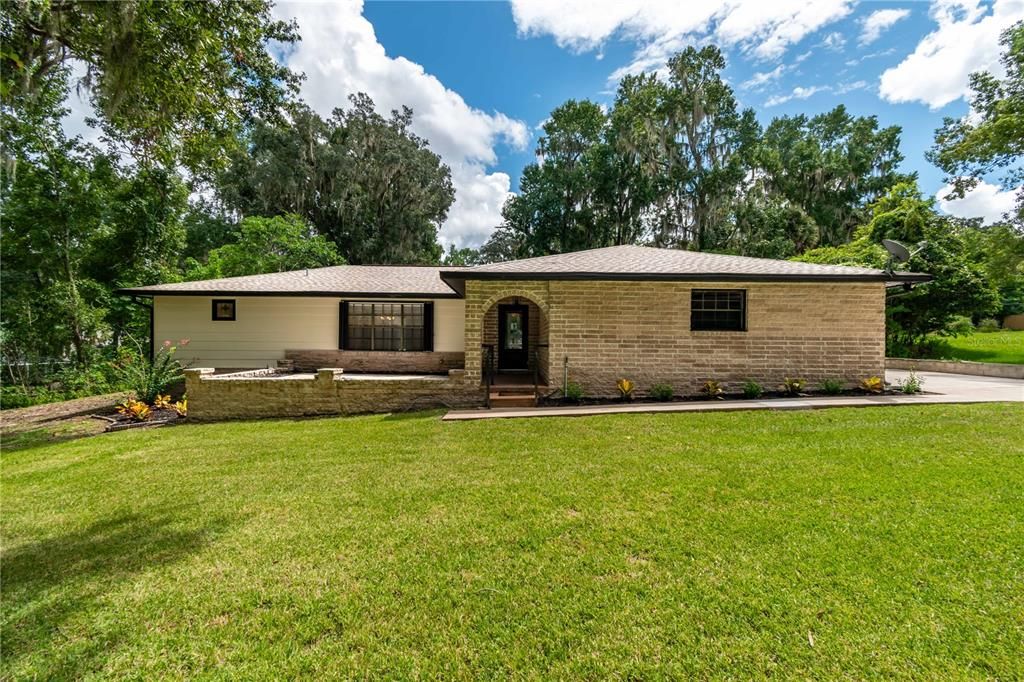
(482, 76)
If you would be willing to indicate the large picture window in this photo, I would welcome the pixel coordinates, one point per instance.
(718, 310)
(386, 326)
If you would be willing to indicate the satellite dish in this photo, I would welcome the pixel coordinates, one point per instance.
(896, 250)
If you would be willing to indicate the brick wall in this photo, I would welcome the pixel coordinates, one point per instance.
(328, 392)
(392, 362)
(641, 330)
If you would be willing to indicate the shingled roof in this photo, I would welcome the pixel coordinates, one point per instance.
(403, 281)
(612, 262)
(643, 262)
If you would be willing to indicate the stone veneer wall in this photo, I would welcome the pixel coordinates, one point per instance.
(641, 330)
(328, 392)
(389, 362)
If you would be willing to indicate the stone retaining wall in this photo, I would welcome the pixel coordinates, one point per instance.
(389, 362)
(328, 392)
(981, 369)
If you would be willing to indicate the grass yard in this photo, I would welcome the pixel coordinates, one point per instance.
(880, 542)
(1002, 346)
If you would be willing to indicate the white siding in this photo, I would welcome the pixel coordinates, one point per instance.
(266, 326)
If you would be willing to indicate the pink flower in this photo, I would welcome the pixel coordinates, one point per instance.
(167, 343)
(183, 342)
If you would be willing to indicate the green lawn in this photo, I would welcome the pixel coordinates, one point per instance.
(846, 543)
(1002, 346)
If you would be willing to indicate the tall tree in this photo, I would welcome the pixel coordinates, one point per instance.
(263, 245)
(832, 166)
(364, 181)
(959, 287)
(991, 140)
(172, 81)
(705, 143)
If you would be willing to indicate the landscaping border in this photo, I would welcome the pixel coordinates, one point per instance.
(981, 369)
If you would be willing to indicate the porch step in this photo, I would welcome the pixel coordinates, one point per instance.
(513, 400)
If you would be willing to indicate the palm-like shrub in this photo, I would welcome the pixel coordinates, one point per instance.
(148, 379)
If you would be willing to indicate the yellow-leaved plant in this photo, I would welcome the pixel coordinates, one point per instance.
(873, 384)
(136, 410)
(626, 388)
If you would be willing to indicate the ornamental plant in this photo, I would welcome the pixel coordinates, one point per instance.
(873, 385)
(626, 388)
(791, 386)
(149, 379)
(712, 389)
(663, 392)
(752, 390)
(832, 386)
(136, 410)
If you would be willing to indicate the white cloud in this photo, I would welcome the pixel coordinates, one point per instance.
(966, 40)
(984, 201)
(876, 23)
(797, 93)
(340, 55)
(834, 41)
(764, 30)
(762, 78)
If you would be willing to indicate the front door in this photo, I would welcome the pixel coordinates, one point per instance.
(513, 337)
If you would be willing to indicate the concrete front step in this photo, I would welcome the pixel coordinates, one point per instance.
(520, 400)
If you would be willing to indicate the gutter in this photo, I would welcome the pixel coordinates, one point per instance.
(891, 279)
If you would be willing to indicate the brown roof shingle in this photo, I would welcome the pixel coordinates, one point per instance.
(409, 281)
(644, 262)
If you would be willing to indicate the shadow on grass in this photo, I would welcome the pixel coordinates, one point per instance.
(12, 441)
(55, 621)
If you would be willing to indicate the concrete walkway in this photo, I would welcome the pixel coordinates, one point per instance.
(940, 388)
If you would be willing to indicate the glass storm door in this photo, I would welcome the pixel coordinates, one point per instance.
(513, 337)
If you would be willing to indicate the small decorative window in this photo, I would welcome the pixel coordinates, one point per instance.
(718, 310)
(223, 309)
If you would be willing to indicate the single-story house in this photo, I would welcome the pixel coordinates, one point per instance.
(590, 317)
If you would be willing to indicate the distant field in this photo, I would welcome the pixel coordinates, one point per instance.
(1002, 346)
(848, 543)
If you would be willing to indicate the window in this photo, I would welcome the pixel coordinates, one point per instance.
(386, 326)
(223, 309)
(718, 310)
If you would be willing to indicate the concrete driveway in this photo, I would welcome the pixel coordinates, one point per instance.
(963, 388)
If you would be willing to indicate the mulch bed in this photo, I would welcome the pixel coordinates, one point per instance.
(767, 395)
(157, 417)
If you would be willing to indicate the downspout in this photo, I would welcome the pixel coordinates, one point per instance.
(149, 306)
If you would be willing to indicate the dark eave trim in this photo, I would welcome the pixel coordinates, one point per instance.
(682, 277)
(299, 294)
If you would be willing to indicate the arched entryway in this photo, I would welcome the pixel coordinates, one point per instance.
(514, 337)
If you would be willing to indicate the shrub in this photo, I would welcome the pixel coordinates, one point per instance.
(147, 380)
(626, 388)
(988, 325)
(573, 392)
(181, 407)
(712, 389)
(662, 392)
(912, 384)
(832, 386)
(136, 410)
(792, 386)
(162, 402)
(752, 389)
(873, 385)
(960, 325)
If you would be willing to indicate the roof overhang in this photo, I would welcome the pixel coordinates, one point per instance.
(143, 292)
(891, 279)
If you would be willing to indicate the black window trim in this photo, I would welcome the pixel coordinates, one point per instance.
(743, 310)
(234, 310)
(428, 326)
